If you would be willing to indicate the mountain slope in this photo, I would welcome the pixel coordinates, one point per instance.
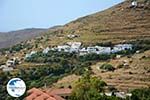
(10, 38)
(118, 23)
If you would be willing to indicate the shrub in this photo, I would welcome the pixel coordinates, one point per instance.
(107, 67)
(141, 94)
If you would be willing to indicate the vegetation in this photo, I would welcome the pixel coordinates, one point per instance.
(140, 94)
(141, 44)
(69, 61)
(92, 88)
(16, 48)
(89, 88)
(107, 67)
(94, 57)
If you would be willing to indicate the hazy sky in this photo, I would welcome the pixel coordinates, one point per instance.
(19, 14)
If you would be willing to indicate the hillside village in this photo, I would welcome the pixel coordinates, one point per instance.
(75, 47)
(70, 47)
(109, 50)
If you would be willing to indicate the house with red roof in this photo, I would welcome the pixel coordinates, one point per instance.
(48, 94)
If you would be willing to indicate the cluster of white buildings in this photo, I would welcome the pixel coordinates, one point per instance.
(121, 47)
(76, 47)
(105, 50)
(95, 49)
(70, 47)
(10, 65)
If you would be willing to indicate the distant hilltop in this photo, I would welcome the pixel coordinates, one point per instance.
(13, 37)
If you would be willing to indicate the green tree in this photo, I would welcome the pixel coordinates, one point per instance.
(88, 88)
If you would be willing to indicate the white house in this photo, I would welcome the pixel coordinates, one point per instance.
(120, 95)
(2, 66)
(121, 47)
(83, 51)
(108, 94)
(64, 48)
(103, 50)
(33, 52)
(27, 56)
(53, 49)
(10, 62)
(134, 4)
(30, 54)
(74, 46)
(72, 36)
(99, 50)
(92, 50)
(45, 51)
(7, 69)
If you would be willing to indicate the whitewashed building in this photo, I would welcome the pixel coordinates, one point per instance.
(103, 50)
(121, 47)
(2, 66)
(99, 50)
(122, 95)
(72, 36)
(10, 62)
(7, 69)
(53, 49)
(134, 4)
(83, 51)
(95, 49)
(30, 54)
(46, 50)
(74, 46)
(64, 48)
(92, 50)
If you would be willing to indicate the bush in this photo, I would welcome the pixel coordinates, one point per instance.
(141, 94)
(104, 56)
(94, 57)
(107, 67)
(89, 57)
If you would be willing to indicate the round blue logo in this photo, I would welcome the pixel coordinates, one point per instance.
(16, 87)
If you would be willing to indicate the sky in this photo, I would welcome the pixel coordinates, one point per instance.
(20, 14)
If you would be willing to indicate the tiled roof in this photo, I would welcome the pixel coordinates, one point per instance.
(37, 94)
